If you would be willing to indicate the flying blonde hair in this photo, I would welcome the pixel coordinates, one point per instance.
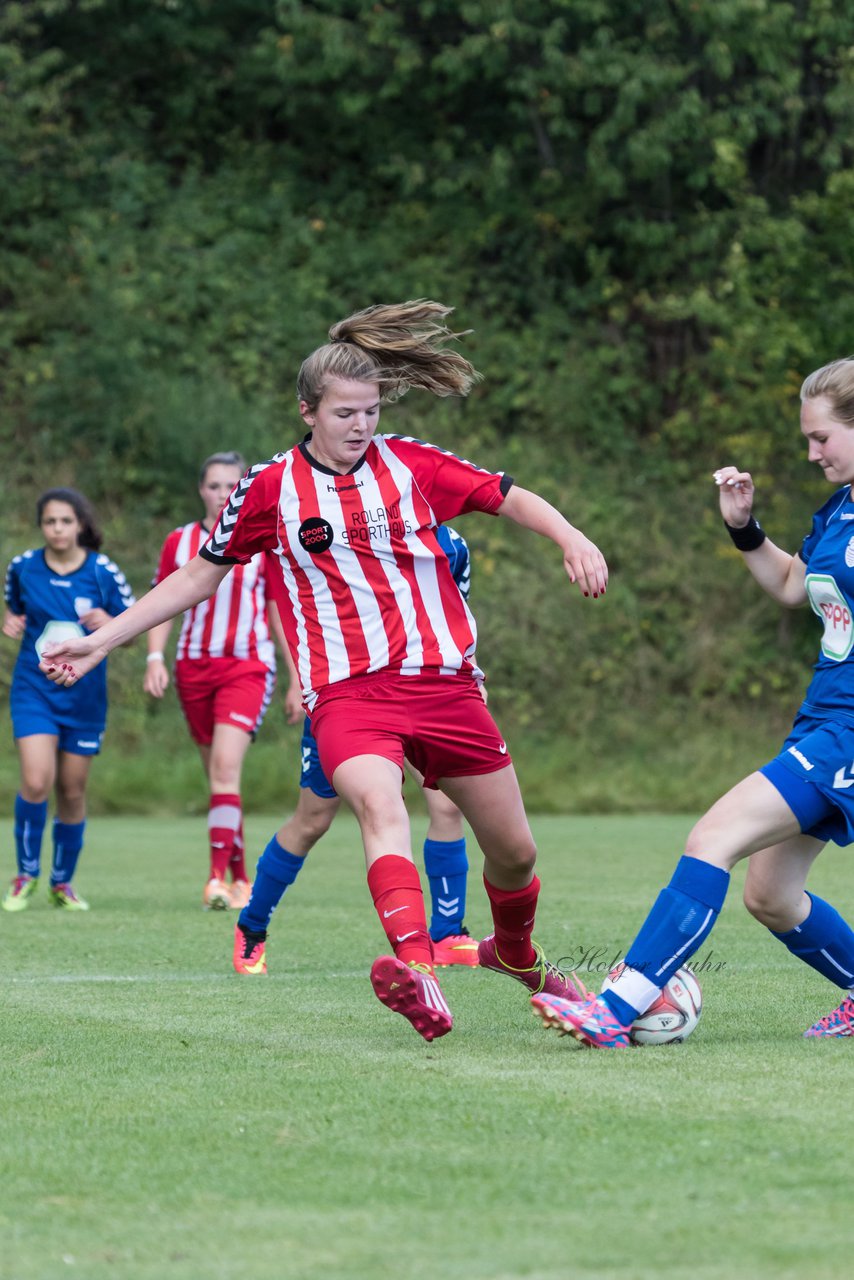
(397, 345)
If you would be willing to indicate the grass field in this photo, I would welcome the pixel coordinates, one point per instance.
(164, 1118)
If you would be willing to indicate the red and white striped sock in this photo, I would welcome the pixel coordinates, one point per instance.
(237, 861)
(225, 818)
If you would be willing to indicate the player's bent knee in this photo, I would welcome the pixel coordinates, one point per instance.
(36, 788)
(375, 809)
(775, 912)
(517, 856)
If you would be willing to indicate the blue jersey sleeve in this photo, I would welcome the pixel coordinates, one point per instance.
(13, 587)
(116, 594)
(456, 549)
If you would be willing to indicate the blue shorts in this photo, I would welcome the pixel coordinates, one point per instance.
(814, 774)
(30, 715)
(312, 775)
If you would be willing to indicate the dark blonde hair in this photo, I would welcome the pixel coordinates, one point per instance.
(836, 382)
(398, 346)
(229, 458)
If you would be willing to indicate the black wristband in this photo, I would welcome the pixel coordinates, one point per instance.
(749, 537)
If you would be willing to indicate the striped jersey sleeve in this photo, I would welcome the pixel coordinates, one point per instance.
(451, 485)
(115, 588)
(13, 585)
(249, 521)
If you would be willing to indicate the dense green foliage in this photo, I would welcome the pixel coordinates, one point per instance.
(643, 208)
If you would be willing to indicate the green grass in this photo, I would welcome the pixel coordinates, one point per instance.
(163, 1118)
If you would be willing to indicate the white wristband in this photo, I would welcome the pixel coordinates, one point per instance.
(155, 657)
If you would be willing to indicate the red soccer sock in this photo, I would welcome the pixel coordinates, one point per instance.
(237, 861)
(513, 912)
(225, 819)
(395, 887)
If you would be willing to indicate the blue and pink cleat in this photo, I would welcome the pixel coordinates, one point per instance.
(838, 1023)
(589, 1021)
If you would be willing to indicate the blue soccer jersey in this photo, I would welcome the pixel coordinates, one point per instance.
(456, 549)
(828, 553)
(53, 604)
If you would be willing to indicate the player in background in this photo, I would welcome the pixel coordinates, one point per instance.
(64, 588)
(383, 641)
(781, 816)
(225, 672)
(445, 856)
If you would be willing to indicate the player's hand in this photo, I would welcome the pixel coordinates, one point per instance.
(156, 679)
(735, 491)
(294, 710)
(585, 564)
(95, 618)
(14, 624)
(69, 661)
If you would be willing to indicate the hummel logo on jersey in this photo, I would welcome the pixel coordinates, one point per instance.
(55, 582)
(386, 914)
(235, 715)
(801, 758)
(343, 488)
(847, 515)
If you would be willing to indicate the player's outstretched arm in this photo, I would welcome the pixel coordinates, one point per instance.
(583, 561)
(782, 575)
(65, 663)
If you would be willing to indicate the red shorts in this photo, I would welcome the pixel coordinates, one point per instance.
(235, 691)
(439, 723)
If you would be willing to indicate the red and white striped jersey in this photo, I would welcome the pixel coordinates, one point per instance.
(233, 622)
(353, 560)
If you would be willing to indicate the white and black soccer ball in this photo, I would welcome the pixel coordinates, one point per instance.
(670, 1018)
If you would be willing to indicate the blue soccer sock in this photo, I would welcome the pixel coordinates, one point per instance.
(277, 868)
(825, 941)
(446, 865)
(67, 843)
(678, 924)
(30, 821)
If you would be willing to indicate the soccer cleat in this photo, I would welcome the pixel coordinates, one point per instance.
(456, 948)
(838, 1023)
(241, 892)
(17, 896)
(541, 977)
(62, 895)
(414, 992)
(217, 895)
(591, 1021)
(249, 952)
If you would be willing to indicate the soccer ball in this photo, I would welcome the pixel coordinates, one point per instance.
(670, 1018)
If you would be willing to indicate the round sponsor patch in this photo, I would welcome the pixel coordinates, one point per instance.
(315, 534)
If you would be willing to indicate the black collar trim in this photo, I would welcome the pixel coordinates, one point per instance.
(318, 466)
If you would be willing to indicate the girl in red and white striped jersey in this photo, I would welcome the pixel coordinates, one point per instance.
(381, 637)
(225, 670)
